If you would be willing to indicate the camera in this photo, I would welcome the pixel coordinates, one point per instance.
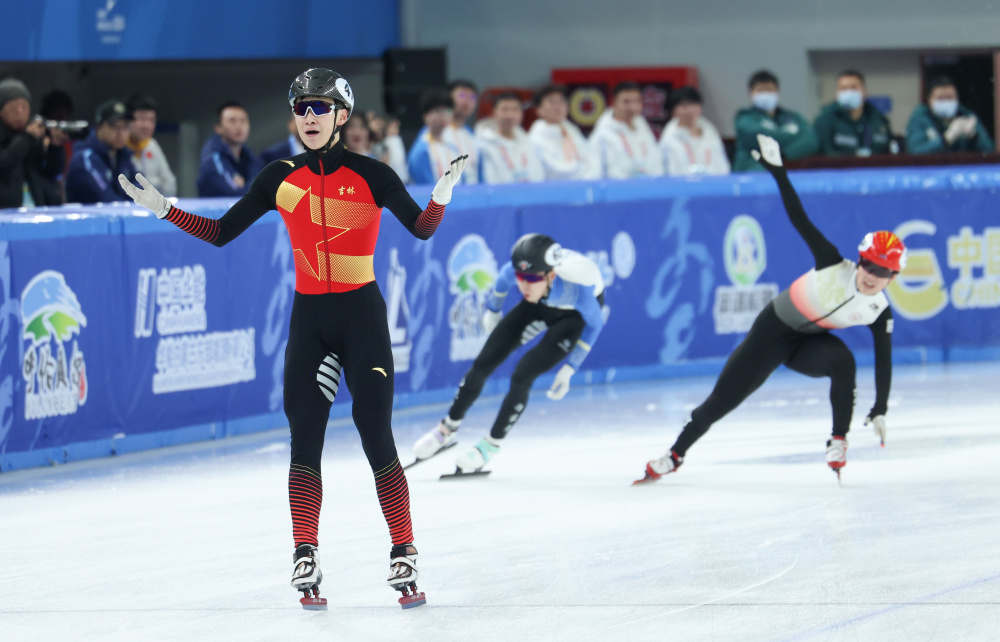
(69, 126)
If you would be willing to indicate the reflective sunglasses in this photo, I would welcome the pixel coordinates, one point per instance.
(530, 277)
(875, 270)
(318, 107)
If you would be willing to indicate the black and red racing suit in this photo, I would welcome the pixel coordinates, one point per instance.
(332, 205)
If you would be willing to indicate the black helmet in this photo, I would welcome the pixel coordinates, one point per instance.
(535, 253)
(322, 82)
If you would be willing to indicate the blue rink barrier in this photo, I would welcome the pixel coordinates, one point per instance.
(119, 332)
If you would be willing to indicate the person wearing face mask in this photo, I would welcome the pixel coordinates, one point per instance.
(942, 124)
(331, 201)
(852, 126)
(792, 131)
(563, 293)
(794, 330)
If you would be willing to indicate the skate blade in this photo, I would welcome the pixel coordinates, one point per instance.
(412, 601)
(458, 474)
(311, 601)
(644, 480)
(417, 461)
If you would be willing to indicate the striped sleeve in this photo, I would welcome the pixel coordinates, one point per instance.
(429, 219)
(206, 229)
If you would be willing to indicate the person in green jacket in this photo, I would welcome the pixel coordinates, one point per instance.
(943, 125)
(792, 131)
(852, 126)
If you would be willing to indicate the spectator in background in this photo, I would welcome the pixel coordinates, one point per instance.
(97, 160)
(622, 140)
(290, 146)
(944, 125)
(689, 143)
(560, 146)
(359, 138)
(430, 156)
(31, 158)
(227, 164)
(458, 135)
(506, 152)
(852, 126)
(148, 158)
(794, 134)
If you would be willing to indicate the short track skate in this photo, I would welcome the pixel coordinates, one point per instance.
(307, 577)
(645, 480)
(403, 576)
(417, 461)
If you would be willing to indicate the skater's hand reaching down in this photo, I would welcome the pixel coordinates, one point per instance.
(442, 191)
(490, 320)
(148, 197)
(878, 425)
(561, 385)
(770, 152)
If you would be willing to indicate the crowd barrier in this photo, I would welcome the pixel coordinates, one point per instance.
(118, 332)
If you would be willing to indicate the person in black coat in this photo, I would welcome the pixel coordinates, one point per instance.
(31, 157)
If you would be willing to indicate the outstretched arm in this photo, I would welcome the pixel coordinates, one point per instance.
(255, 203)
(824, 252)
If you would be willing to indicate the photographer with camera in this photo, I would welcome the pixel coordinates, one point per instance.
(31, 156)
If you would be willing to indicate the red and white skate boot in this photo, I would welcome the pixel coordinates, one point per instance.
(403, 575)
(657, 468)
(306, 577)
(836, 454)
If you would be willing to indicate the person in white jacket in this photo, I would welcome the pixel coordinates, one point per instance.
(560, 146)
(690, 144)
(147, 156)
(458, 135)
(624, 143)
(506, 154)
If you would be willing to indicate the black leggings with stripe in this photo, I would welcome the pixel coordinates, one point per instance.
(333, 335)
(562, 330)
(769, 344)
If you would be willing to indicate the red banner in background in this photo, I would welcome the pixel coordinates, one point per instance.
(591, 91)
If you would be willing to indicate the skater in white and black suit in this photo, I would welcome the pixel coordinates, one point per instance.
(794, 330)
(563, 295)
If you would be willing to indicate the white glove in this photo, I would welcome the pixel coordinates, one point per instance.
(442, 191)
(878, 424)
(148, 197)
(769, 150)
(561, 385)
(491, 319)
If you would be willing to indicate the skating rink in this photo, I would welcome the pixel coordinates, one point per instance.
(752, 540)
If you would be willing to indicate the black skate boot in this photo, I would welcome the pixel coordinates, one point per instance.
(306, 577)
(403, 575)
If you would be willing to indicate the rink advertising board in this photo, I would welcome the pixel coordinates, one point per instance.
(119, 332)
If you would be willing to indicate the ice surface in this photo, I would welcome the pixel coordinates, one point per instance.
(753, 538)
